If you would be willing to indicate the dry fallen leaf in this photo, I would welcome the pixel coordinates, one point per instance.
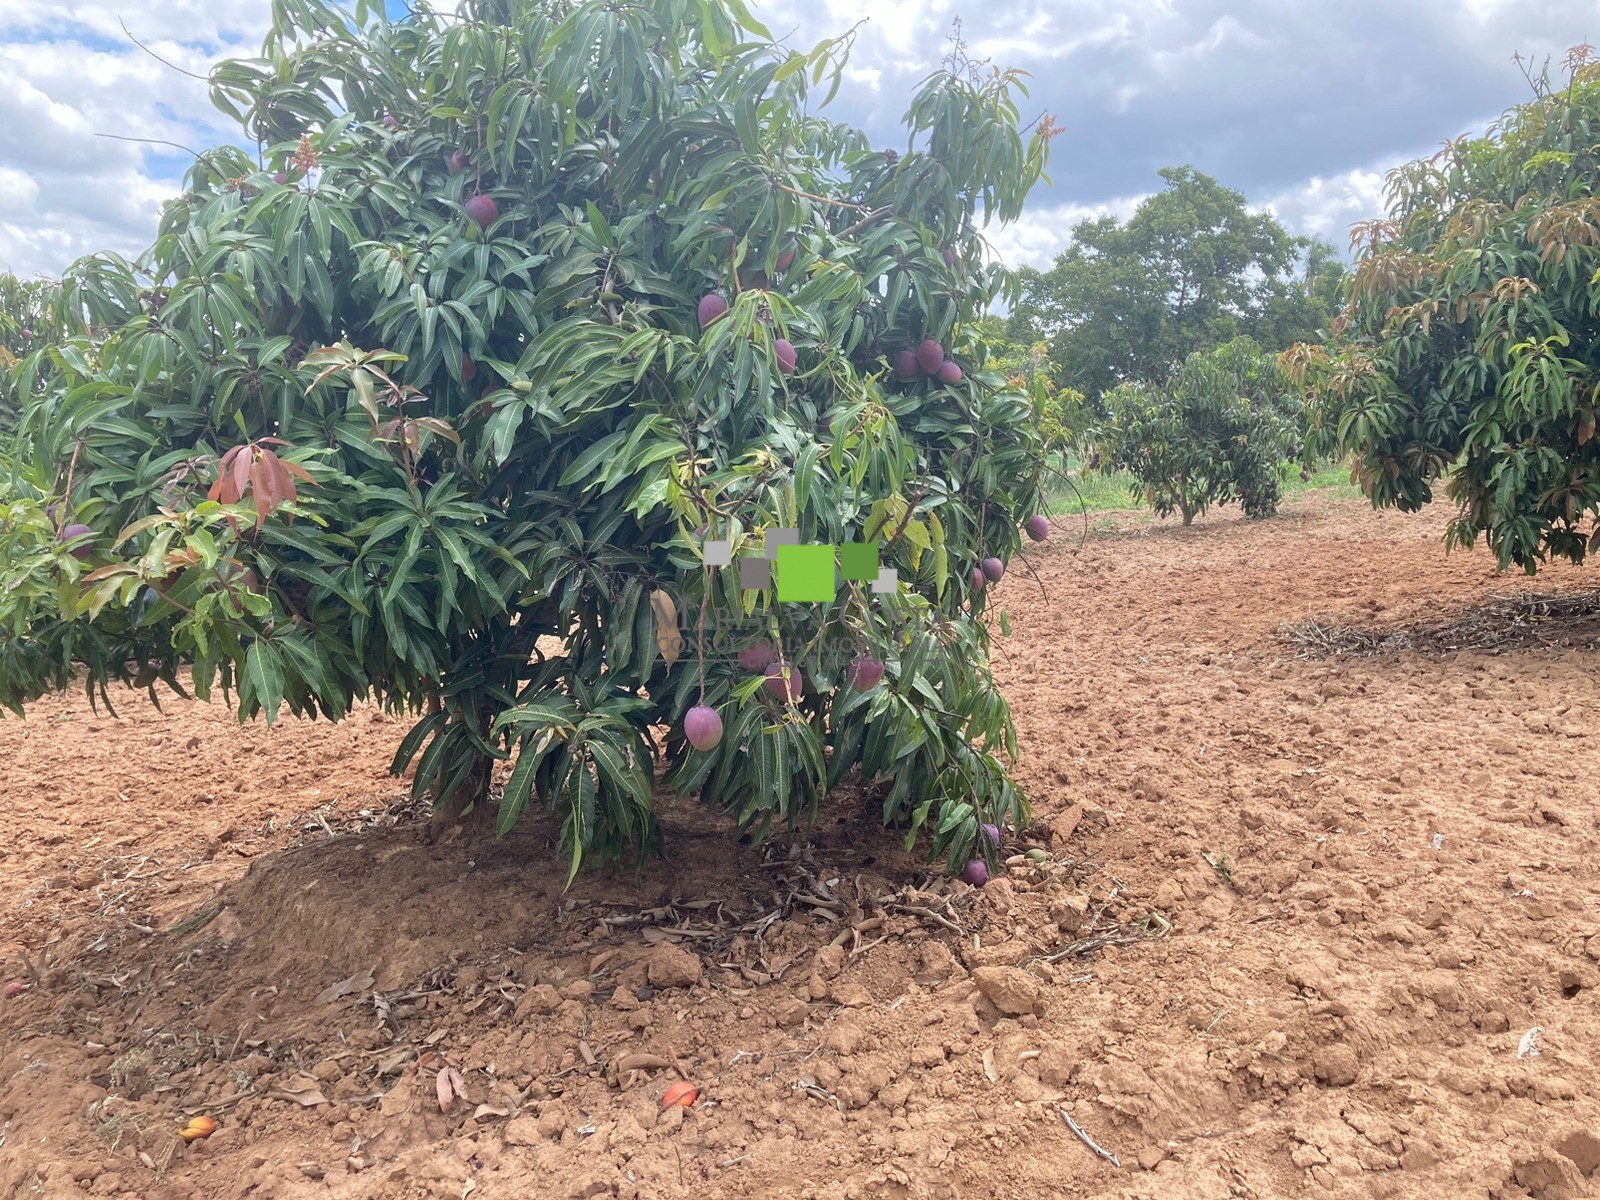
(490, 1110)
(680, 1095)
(301, 1089)
(396, 1061)
(345, 987)
(448, 1086)
(638, 1060)
(669, 640)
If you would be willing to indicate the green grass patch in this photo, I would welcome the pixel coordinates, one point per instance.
(1092, 491)
(1085, 491)
(1331, 477)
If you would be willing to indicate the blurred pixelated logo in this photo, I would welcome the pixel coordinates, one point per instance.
(805, 573)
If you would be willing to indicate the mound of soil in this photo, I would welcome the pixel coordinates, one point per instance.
(1290, 926)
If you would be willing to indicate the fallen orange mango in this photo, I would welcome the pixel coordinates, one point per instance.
(680, 1095)
(197, 1128)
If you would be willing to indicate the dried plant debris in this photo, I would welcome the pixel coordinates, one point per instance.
(1501, 624)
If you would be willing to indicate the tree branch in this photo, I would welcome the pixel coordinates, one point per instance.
(150, 141)
(872, 218)
(157, 57)
(794, 191)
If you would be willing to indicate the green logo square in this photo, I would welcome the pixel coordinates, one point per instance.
(805, 574)
(858, 561)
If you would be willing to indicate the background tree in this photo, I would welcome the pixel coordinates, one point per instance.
(439, 400)
(1225, 426)
(28, 320)
(1307, 304)
(1193, 268)
(1470, 348)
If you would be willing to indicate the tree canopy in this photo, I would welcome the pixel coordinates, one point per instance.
(457, 393)
(1469, 352)
(1192, 269)
(1223, 427)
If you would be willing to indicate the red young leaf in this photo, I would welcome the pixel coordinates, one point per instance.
(272, 476)
(239, 475)
(258, 485)
(253, 469)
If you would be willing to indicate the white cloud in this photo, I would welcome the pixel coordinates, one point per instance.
(73, 77)
(1327, 207)
(19, 191)
(1319, 207)
(1043, 232)
(189, 22)
(1301, 107)
(1044, 34)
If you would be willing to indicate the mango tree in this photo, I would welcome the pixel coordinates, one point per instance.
(468, 388)
(1225, 426)
(1467, 354)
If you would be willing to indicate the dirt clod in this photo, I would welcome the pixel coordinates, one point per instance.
(523, 1131)
(673, 967)
(540, 1000)
(1583, 1148)
(1012, 991)
(1336, 1065)
(1550, 1177)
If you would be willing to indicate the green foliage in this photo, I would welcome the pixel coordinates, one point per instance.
(1225, 426)
(1078, 489)
(1191, 269)
(28, 321)
(1060, 414)
(1470, 349)
(338, 441)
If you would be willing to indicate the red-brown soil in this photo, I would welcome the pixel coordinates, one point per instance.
(1311, 910)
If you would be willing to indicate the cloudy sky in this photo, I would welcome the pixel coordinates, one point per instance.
(1300, 104)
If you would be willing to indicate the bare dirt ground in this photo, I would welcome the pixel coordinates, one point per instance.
(1306, 926)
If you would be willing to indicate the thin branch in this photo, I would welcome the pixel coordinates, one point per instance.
(794, 191)
(157, 57)
(150, 141)
(1043, 591)
(1089, 1141)
(1083, 503)
(872, 218)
